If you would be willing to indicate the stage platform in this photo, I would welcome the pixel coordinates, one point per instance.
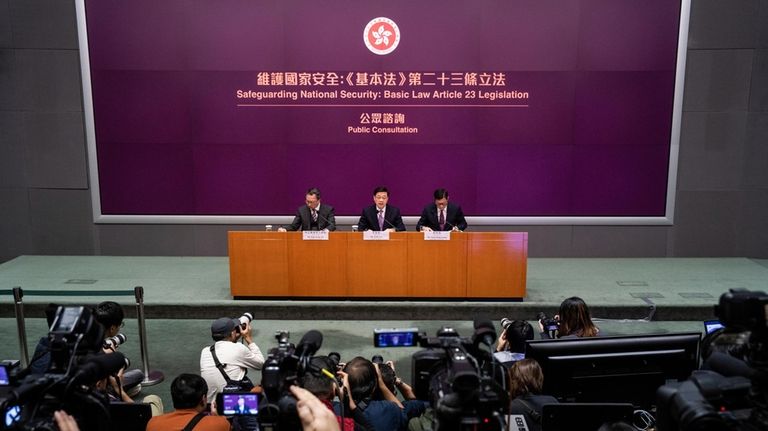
(679, 289)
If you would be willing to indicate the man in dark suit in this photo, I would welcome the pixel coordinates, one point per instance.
(380, 215)
(241, 408)
(313, 215)
(442, 215)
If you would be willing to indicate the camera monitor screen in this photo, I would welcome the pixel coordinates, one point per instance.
(4, 381)
(67, 319)
(626, 369)
(239, 403)
(712, 325)
(404, 337)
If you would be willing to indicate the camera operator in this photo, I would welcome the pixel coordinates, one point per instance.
(526, 379)
(573, 321)
(360, 378)
(411, 405)
(188, 392)
(227, 360)
(511, 344)
(110, 315)
(114, 391)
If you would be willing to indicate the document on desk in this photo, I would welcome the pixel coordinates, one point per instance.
(376, 235)
(314, 235)
(435, 235)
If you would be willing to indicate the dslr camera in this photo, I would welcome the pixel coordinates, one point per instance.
(551, 325)
(245, 319)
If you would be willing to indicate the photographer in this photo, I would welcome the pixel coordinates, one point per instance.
(320, 381)
(110, 315)
(573, 321)
(227, 360)
(189, 399)
(511, 344)
(114, 391)
(360, 379)
(411, 405)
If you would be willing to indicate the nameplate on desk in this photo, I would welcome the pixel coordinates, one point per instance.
(437, 235)
(376, 235)
(314, 235)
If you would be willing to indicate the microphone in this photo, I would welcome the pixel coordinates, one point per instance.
(309, 344)
(386, 221)
(99, 367)
(325, 220)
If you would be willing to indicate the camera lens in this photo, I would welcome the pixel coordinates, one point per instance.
(113, 342)
(245, 319)
(505, 323)
(377, 359)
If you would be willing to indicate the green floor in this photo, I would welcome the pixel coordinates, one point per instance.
(184, 294)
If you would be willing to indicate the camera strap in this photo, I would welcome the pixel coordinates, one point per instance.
(198, 417)
(220, 366)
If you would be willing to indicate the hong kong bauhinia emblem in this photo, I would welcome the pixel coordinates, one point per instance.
(381, 36)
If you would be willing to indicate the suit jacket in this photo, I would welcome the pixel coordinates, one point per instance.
(369, 219)
(303, 219)
(454, 216)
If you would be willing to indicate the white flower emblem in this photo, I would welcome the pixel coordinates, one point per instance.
(382, 36)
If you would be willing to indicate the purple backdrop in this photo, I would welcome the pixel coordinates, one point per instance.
(591, 139)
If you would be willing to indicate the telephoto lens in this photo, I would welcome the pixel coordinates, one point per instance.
(377, 359)
(245, 319)
(505, 323)
(113, 342)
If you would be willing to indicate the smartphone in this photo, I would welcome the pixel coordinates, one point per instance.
(237, 404)
(395, 337)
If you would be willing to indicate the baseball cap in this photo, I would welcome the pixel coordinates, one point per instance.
(223, 326)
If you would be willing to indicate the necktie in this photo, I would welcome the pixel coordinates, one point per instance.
(381, 219)
(314, 216)
(441, 220)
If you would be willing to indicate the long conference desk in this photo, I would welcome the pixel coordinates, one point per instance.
(471, 265)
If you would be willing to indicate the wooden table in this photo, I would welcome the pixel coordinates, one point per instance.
(482, 265)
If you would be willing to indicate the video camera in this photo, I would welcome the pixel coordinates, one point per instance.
(77, 363)
(734, 395)
(284, 366)
(456, 375)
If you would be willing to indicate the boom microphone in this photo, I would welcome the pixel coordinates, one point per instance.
(309, 344)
